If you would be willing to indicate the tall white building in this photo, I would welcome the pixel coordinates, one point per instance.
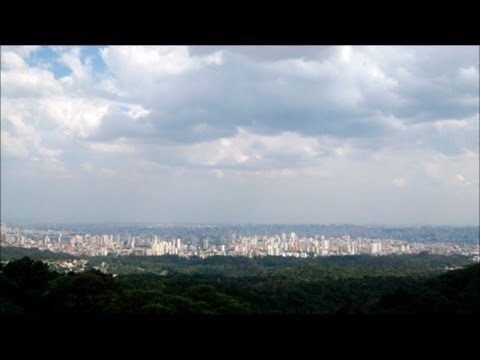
(376, 248)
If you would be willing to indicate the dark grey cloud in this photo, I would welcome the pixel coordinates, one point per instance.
(265, 90)
(268, 53)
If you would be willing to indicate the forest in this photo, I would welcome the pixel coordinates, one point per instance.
(173, 286)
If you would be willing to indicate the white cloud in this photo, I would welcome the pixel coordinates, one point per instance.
(55, 167)
(21, 81)
(23, 129)
(218, 173)
(72, 59)
(49, 153)
(270, 173)
(13, 57)
(216, 58)
(442, 125)
(87, 167)
(333, 121)
(399, 182)
(253, 150)
(453, 170)
(120, 146)
(149, 71)
(346, 54)
(461, 179)
(13, 146)
(11, 60)
(469, 74)
(108, 172)
(136, 69)
(23, 51)
(154, 60)
(136, 111)
(74, 115)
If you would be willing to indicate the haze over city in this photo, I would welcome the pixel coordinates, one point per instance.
(240, 134)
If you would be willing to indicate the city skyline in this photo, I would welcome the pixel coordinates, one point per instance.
(240, 134)
(243, 242)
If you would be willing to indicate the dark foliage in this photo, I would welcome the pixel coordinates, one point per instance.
(228, 286)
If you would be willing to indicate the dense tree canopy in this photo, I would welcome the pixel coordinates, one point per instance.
(216, 286)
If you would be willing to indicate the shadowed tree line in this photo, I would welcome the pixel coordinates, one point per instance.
(29, 287)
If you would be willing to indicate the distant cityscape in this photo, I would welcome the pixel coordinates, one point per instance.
(286, 244)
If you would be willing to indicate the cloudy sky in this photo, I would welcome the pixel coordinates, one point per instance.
(377, 135)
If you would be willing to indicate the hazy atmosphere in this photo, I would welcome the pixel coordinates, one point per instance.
(241, 134)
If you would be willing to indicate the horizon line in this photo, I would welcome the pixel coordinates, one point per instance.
(189, 223)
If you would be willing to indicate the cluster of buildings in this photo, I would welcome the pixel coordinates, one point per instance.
(236, 245)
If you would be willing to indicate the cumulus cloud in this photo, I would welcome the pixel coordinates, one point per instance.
(248, 150)
(376, 92)
(12, 146)
(247, 114)
(118, 146)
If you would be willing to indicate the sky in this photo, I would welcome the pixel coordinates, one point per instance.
(240, 134)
